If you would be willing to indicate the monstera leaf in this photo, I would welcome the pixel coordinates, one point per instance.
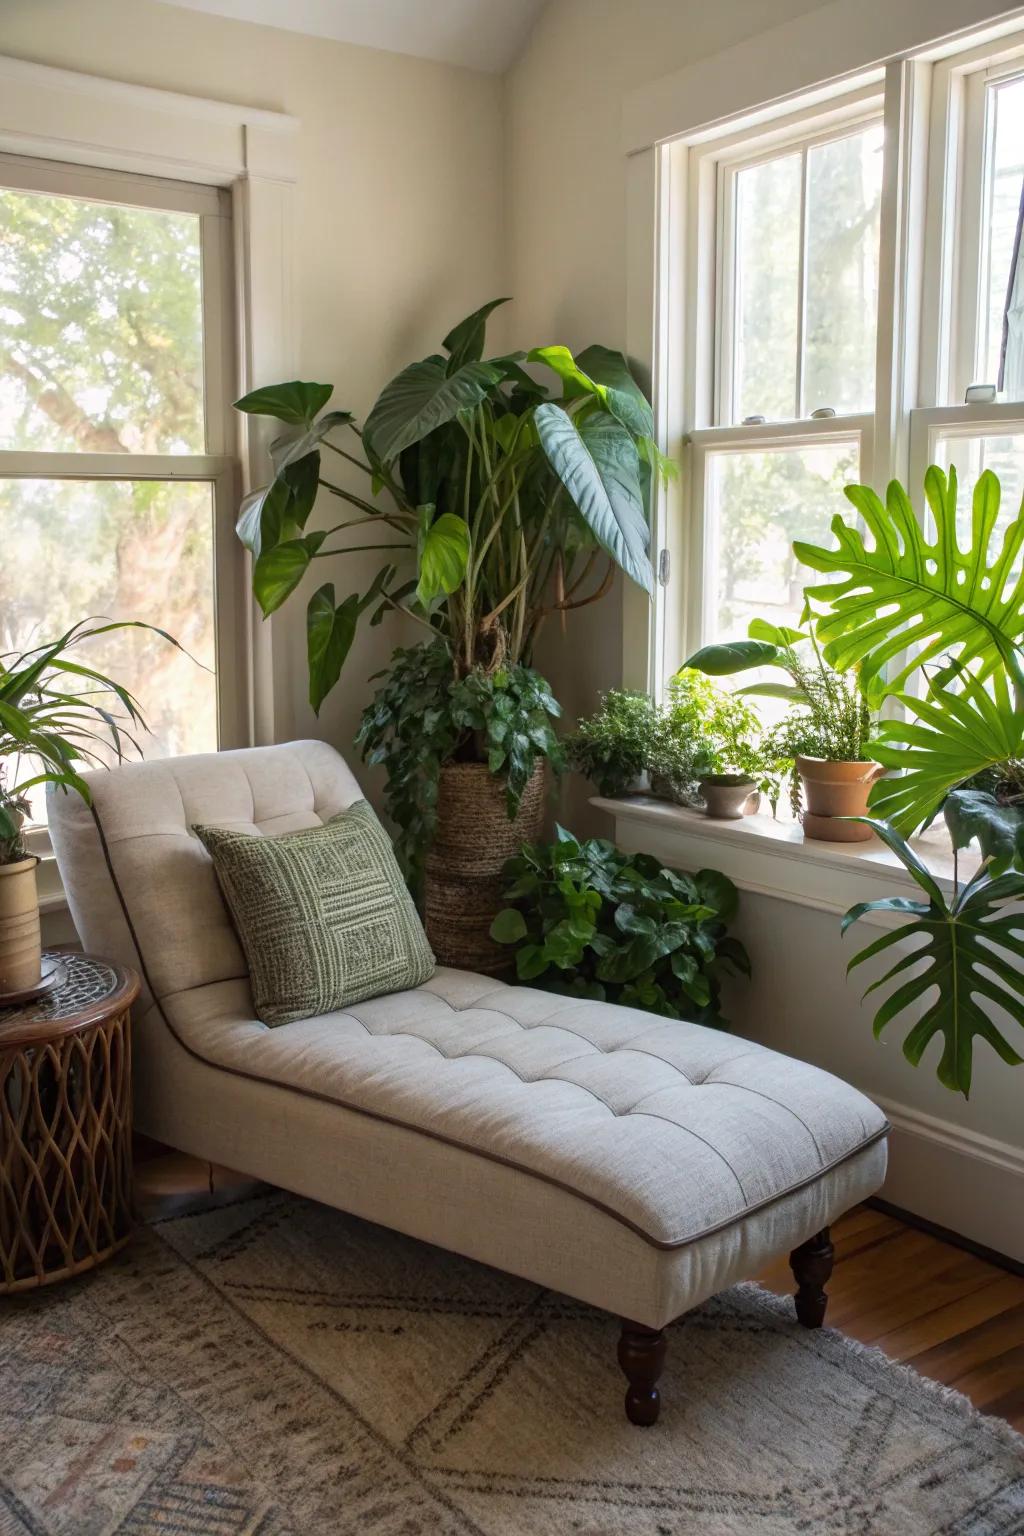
(999, 829)
(598, 464)
(942, 742)
(421, 398)
(972, 953)
(909, 594)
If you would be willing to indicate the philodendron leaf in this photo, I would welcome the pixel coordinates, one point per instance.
(599, 467)
(972, 954)
(330, 631)
(443, 546)
(940, 743)
(575, 382)
(508, 927)
(278, 572)
(286, 451)
(296, 403)
(776, 634)
(465, 341)
(423, 397)
(266, 515)
(999, 829)
(732, 656)
(623, 395)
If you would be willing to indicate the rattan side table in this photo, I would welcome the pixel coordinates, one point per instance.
(65, 1125)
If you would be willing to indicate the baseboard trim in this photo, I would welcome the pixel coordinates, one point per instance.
(955, 1239)
(961, 1183)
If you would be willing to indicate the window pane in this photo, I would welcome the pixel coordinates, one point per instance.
(1003, 454)
(124, 549)
(1005, 170)
(767, 288)
(758, 503)
(844, 196)
(100, 327)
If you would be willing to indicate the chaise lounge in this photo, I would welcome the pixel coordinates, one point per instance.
(637, 1164)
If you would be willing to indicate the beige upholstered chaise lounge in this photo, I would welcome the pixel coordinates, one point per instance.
(635, 1163)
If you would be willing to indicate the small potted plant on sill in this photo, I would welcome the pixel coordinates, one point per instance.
(612, 748)
(825, 733)
(53, 732)
(707, 750)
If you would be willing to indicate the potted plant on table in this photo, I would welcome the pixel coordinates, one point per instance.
(54, 720)
(825, 732)
(513, 507)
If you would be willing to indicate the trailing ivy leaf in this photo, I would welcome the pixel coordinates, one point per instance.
(330, 631)
(973, 958)
(295, 403)
(422, 398)
(465, 341)
(599, 467)
(443, 554)
(916, 597)
(999, 829)
(278, 572)
(941, 742)
(623, 395)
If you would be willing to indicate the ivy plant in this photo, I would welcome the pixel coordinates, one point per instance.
(423, 716)
(589, 921)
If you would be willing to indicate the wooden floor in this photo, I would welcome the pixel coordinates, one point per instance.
(948, 1314)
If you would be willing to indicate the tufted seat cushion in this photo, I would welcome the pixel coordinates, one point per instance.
(674, 1129)
(636, 1163)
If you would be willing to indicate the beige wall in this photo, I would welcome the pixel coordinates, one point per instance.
(566, 220)
(398, 213)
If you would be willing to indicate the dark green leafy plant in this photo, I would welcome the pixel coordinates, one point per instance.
(971, 954)
(703, 730)
(612, 747)
(423, 716)
(54, 717)
(589, 921)
(509, 505)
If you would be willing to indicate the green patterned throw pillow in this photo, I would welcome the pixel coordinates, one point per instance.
(323, 915)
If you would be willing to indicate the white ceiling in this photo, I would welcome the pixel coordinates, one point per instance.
(481, 34)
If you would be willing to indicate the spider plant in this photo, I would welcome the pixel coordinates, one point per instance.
(55, 720)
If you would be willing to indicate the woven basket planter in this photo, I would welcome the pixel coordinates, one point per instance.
(474, 837)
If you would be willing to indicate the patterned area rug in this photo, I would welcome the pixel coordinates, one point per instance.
(274, 1368)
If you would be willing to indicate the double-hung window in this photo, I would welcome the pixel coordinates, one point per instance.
(783, 393)
(842, 300)
(118, 483)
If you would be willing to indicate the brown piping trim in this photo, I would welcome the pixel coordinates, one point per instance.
(451, 1141)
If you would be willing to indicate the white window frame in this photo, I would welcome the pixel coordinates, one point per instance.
(58, 115)
(953, 235)
(218, 465)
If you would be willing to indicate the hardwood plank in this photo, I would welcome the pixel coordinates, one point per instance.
(949, 1314)
(958, 1315)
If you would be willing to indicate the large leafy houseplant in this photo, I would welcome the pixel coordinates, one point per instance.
(953, 616)
(590, 921)
(497, 505)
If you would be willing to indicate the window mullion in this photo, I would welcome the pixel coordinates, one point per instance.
(801, 314)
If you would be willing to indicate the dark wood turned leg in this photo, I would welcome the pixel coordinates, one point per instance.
(811, 1264)
(642, 1358)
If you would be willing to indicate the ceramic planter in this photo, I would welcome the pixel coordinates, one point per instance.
(832, 790)
(726, 796)
(20, 943)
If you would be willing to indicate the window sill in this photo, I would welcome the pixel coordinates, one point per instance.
(772, 858)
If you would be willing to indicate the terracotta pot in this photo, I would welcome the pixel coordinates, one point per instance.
(832, 790)
(474, 837)
(726, 796)
(20, 943)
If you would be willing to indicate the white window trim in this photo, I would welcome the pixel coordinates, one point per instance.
(59, 115)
